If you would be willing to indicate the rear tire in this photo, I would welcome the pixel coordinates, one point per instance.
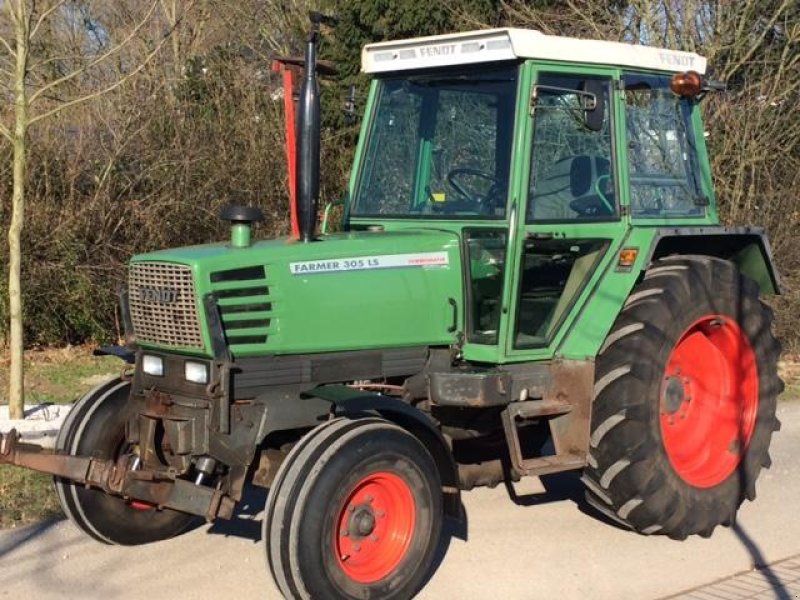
(355, 513)
(96, 427)
(685, 399)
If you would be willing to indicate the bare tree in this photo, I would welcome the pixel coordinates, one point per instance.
(56, 56)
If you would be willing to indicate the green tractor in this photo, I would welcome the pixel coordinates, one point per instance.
(531, 278)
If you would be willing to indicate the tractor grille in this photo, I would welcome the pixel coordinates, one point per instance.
(163, 305)
(245, 305)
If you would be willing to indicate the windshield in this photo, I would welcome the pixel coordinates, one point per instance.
(439, 146)
(662, 155)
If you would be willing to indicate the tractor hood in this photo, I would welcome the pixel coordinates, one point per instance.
(348, 291)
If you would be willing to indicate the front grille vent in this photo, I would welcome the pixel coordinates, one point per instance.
(163, 305)
(244, 300)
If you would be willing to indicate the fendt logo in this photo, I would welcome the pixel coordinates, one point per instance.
(162, 296)
(676, 60)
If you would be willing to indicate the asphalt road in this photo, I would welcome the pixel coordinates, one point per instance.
(547, 544)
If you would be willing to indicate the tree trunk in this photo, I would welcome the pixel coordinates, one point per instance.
(16, 394)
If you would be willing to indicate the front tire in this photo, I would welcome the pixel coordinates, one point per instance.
(96, 427)
(355, 513)
(685, 399)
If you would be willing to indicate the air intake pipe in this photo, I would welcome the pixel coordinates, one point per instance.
(308, 135)
(241, 219)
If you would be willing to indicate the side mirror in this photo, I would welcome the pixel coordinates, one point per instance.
(596, 113)
(588, 102)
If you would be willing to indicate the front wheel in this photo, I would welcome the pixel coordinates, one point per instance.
(685, 400)
(96, 427)
(355, 513)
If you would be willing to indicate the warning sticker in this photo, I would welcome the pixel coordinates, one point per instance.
(363, 263)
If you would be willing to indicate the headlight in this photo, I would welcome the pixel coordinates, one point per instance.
(153, 365)
(196, 372)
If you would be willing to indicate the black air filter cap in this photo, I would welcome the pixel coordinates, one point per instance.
(236, 213)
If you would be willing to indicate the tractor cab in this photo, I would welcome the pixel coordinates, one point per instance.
(540, 165)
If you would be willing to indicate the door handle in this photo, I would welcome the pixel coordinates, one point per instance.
(454, 307)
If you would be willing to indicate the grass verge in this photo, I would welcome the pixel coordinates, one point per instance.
(25, 497)
(59, 375)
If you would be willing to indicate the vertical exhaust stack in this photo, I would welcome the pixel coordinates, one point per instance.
(308, 135)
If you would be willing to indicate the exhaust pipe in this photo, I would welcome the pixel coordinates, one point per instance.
(308, 134)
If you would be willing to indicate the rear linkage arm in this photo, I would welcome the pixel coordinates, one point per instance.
(119, 478)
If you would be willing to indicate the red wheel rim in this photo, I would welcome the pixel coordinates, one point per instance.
(374, 527)
(709, 401)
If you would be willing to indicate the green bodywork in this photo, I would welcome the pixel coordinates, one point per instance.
(313, 311)
(341, 308)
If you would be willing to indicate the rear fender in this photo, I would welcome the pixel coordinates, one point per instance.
(747, 247)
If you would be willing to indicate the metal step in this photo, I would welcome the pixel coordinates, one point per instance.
(551, 409)
(533, 409)
(550, 464)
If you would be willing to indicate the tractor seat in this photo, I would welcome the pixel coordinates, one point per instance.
(573, 189)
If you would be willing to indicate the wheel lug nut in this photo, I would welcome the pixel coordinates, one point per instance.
(345, 533)
(374, 538)
(368, 499)
(351, 508)
(380, 514)
(357, 547)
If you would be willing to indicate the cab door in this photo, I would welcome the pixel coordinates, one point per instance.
(570, 222)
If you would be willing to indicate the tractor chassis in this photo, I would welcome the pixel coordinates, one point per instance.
(558, 393)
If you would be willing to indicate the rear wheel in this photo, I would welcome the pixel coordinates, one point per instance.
(685, 399)
(96, 427)
(355, 512)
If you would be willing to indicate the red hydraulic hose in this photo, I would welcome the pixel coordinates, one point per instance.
(291, 143)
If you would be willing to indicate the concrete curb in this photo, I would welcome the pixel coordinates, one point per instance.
(40, 425)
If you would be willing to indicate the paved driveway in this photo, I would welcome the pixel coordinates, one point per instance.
(547, 544)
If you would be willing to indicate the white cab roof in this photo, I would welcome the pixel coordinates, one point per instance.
(491, 45)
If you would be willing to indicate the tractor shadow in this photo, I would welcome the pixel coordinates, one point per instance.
(560, 487)
(451, 528)
(247, 519)
(15, 540)
(568, 486)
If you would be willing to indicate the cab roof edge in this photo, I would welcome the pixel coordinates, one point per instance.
(490, 45)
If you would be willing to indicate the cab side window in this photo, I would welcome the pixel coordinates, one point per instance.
(571, 172)
(662, 165)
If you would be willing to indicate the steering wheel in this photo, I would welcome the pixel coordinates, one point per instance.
(458, 187)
